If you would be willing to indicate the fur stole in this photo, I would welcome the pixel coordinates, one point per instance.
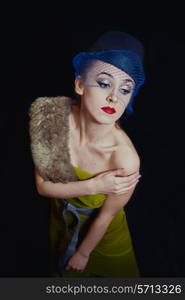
(49, 134)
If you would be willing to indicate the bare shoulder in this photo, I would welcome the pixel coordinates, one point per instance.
(125, 156)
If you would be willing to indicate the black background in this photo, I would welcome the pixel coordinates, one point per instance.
(37, 62)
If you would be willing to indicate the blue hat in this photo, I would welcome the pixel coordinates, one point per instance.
(119, 49)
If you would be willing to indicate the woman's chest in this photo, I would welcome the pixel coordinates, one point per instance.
(91, 159)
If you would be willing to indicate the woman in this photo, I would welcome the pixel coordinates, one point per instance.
(89, 232)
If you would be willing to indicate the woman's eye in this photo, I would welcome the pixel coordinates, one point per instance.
(125, 91)
(103, 85)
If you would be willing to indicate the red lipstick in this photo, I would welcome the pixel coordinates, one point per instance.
(108, 110)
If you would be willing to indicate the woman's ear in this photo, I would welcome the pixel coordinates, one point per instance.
(79, 86)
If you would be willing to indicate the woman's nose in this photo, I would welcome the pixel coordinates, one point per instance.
(112, 97)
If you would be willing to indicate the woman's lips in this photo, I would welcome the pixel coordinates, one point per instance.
(108, 110)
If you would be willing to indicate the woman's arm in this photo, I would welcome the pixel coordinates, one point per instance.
(62, 190)
(108, 182)
(98, 228)
(111, 206)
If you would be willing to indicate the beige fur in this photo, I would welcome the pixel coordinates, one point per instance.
(49, 133)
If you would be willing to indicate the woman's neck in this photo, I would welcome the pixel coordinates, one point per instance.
(90, 131)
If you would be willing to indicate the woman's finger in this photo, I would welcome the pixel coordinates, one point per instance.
(122, 173)
(122, 180)
(132, 181)
(124, 185)
(124, 190)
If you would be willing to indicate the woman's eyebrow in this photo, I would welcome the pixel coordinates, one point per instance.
(127, 80)
(105, 73)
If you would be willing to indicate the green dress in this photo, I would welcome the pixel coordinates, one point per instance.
(114, 254)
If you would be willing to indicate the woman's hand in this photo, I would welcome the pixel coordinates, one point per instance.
(77, 262)
(114, 182)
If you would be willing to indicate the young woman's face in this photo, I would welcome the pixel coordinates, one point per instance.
(105, 91)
